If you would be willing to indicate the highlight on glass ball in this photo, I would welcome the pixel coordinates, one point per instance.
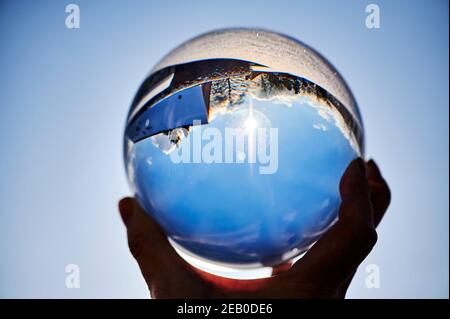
(236, 143)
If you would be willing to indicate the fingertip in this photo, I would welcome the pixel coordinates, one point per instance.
(126, 204)
(377, 181)
(380, 192)
(354, 178)
(126, 209)
(373, 171)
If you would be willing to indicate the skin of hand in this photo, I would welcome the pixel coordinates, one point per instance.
(325, 271)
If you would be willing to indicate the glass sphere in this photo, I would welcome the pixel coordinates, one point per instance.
(235, 144)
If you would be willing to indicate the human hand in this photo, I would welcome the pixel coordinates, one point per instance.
(325, 271)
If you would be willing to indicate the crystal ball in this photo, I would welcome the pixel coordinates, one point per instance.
(235, 145)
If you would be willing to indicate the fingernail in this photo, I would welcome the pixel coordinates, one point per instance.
(125, 209)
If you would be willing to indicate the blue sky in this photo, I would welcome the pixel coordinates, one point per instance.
(64, 95)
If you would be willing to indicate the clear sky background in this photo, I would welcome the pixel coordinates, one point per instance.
(64, 95)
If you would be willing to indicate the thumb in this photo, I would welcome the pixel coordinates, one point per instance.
(149, 245)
